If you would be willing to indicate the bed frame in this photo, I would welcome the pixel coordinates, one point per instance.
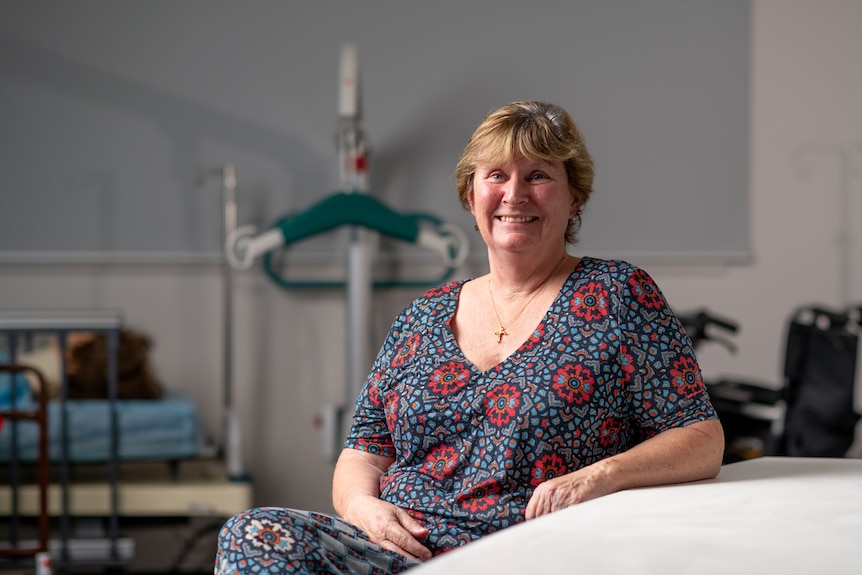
(37, 497)
(43, 500)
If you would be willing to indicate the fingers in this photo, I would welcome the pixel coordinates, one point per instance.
(532, 511)
(392, 528)
(389, 526)
(414, 527)
(408, 547)
(556, 494)
(412, 535)
(403, 534)
(538, 505)
(544, 502)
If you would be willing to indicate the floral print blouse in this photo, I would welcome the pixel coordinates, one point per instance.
(608, 366)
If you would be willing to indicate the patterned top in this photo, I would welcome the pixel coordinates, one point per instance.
(608, 366)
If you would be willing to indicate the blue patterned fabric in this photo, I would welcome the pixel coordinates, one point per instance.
(273, 540)
(608, 366)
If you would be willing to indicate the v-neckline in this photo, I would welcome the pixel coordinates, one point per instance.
(456, 298)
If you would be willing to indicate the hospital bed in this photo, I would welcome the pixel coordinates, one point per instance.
(768, 515)
(76, 473)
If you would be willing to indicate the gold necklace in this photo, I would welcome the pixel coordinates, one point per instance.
(502, 331)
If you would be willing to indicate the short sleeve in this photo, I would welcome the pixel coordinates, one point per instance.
(369, 431)
(661, 373)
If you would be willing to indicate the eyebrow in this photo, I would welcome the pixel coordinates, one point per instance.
(533, 164)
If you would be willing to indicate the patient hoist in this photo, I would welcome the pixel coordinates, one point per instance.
(364, 216)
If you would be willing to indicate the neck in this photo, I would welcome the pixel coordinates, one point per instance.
(515, 277)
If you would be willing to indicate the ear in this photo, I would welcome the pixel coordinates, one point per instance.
(471, 203)
(574, 207)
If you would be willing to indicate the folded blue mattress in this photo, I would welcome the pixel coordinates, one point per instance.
(167, 428)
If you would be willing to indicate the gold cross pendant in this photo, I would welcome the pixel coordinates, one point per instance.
(502, 331)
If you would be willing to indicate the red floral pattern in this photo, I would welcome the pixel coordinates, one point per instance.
(449, 378)
(645, 290)
(589, 303)
(574, 383)
(407, 350)
(441, 462)
(547, 467)
(503, 403)
(608, 366)
(610, 432)
(480, 497)
(687, 377)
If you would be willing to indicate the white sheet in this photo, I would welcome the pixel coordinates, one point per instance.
(769, 515)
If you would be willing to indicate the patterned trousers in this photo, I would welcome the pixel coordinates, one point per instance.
(276, 540)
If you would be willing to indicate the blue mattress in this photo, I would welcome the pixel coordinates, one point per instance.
(168, 428)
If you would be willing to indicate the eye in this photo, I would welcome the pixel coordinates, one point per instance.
(537, 176)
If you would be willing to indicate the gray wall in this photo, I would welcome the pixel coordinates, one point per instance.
(112, 113)
(805, 151)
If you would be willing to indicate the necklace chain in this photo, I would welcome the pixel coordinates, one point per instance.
(502, 331)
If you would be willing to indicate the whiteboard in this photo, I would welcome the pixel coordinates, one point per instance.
(118, 116)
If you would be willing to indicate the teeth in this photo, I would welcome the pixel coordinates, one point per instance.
(520, 219)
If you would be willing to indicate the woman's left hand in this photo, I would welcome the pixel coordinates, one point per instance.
(680, 454)
(565, 491)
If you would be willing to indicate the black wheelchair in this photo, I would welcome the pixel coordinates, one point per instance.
(811, 413)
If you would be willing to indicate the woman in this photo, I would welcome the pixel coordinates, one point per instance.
(550, 381)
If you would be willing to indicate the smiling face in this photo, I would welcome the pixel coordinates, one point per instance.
(522, 204)
(539, 131)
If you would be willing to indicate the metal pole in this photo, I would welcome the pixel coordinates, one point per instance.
(232, 439)
(112, 340)
(353, 174)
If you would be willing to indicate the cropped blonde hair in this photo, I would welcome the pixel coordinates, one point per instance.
(536, 131)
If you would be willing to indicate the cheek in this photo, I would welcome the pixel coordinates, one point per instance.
(479, 201)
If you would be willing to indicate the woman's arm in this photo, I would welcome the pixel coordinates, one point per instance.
(674, 456)
(690, 451)
(356, 497)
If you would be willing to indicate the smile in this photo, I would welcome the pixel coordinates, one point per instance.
(518, 219)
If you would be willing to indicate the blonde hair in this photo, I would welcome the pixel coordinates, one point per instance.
(536, 131)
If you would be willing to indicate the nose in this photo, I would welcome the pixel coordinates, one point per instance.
(515, 192)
